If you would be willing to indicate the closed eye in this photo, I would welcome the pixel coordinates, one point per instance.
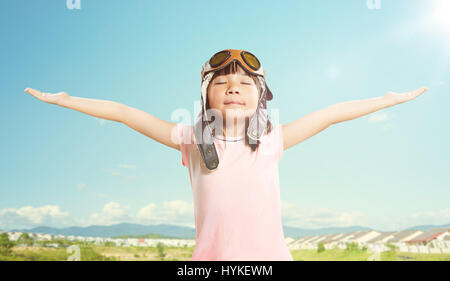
(246, 83)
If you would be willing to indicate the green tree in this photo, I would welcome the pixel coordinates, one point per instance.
(25, 239)
(320, 247)
(353, 246)
(109, 244)
(161, 252)
(5, 245)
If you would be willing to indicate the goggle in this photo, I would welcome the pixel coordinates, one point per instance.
(244, 58)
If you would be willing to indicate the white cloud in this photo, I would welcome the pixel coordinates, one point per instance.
(400, 222)
(181, 212)
(147, 212)
(111, 213)
(172, 212)
(28, 216)
(176, 208)
(321, 217)
(177, 212)
(430, 217)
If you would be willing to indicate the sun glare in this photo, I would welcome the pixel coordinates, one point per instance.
(441, 14)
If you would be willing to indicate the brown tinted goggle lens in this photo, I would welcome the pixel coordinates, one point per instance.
(251, 60)
(219, 58)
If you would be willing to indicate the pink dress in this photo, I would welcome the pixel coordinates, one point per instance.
(237, 206)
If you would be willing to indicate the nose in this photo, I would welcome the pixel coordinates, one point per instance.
(233, 89)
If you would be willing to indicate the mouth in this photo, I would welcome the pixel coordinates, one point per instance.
(233, 102)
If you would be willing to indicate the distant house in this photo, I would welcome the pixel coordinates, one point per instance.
(298, 243)
(331, 241)
(288, 240)
(430, 235)
(14, 236)
(382, 238)
(321, 238)
(378, 243)
(432, 241)
(362, 237)
(399, 238)
(341, 242)
(416, 241)
(308, 243)
(446, 243)
(132, 242)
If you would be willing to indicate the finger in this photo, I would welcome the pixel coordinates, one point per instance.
(423, 89)
(418, 91)
(33, 92)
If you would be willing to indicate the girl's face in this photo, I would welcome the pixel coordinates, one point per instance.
(233, 95)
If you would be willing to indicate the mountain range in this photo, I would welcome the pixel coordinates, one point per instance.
(183, 232)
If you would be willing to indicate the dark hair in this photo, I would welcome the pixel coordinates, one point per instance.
(231, 69)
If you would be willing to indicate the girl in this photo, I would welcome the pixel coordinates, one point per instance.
(232, 152)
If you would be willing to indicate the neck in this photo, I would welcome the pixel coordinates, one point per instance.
(234, 130)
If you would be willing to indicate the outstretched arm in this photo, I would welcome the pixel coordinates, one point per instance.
(143, 122)
(313, 123)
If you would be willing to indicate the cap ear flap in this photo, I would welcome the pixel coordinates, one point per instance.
(269, 95)
(265, 89)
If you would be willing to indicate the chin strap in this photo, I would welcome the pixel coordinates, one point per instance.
(203, 133)
(258, 121)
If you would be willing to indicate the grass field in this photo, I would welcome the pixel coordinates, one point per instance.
(358, 255)
(111, 253)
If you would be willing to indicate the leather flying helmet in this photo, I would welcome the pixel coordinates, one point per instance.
(257, 121)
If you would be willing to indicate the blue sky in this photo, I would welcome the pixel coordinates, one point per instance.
(388, 170)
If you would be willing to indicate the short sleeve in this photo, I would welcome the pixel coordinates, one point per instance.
(185, 141)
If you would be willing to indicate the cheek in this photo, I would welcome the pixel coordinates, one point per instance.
(214, 97)
(253, 99)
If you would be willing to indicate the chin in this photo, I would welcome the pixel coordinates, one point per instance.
(238, 116)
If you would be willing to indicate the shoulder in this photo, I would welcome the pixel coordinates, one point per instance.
(184, 133)
(275, 134)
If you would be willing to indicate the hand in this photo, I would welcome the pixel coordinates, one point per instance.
(47, 97)
(404, 97)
